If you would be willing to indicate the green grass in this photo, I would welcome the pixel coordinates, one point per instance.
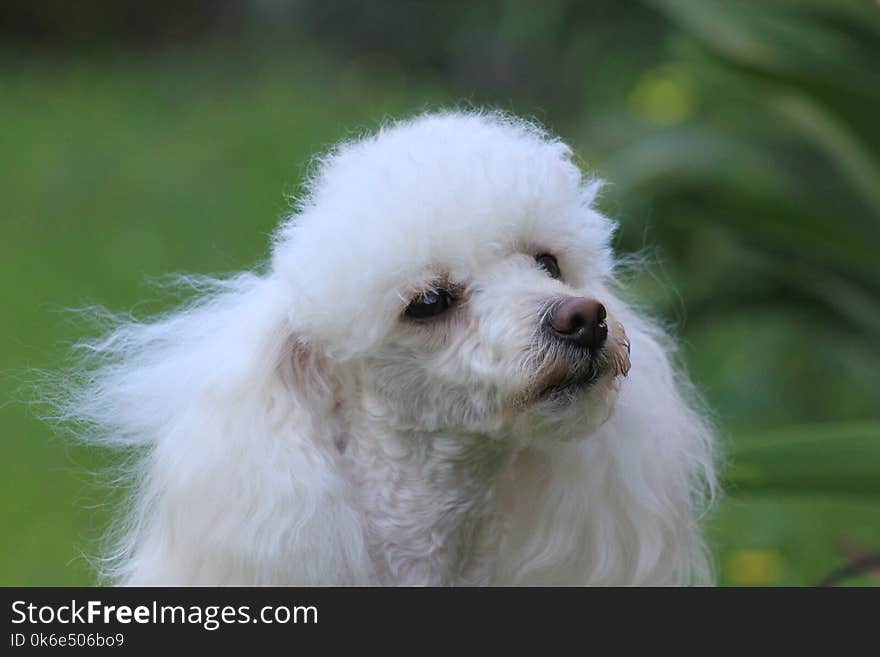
(113, 172)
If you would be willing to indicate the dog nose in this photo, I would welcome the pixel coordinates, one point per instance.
(581, 321)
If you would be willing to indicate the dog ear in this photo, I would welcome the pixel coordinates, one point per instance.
(623, 504)
(658, 452)
(231, 421)
(661, 448)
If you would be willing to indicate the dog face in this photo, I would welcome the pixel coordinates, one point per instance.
(466, 271)
(500, 348)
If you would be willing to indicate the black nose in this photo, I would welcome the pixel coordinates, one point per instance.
(581, 321)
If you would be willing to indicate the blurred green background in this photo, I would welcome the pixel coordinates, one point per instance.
(741, 139)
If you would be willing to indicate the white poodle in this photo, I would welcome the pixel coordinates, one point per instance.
(434, 382)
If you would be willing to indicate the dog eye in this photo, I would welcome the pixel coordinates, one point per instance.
(548, 263)
(430, 304)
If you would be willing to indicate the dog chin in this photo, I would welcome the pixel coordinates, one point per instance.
(569, 400)
(571, 386)
(574, 402)
(569, 412)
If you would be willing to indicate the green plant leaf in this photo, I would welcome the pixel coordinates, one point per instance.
(839, 458)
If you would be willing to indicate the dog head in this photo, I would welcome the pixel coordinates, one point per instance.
(454, 264)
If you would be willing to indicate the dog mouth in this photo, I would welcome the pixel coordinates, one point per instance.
(564, 373)
(566, 382)
(571, 384)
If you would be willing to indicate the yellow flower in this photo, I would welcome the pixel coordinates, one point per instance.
(665, 96)
(754, 567)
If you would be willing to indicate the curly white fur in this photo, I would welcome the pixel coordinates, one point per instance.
(294, 427)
